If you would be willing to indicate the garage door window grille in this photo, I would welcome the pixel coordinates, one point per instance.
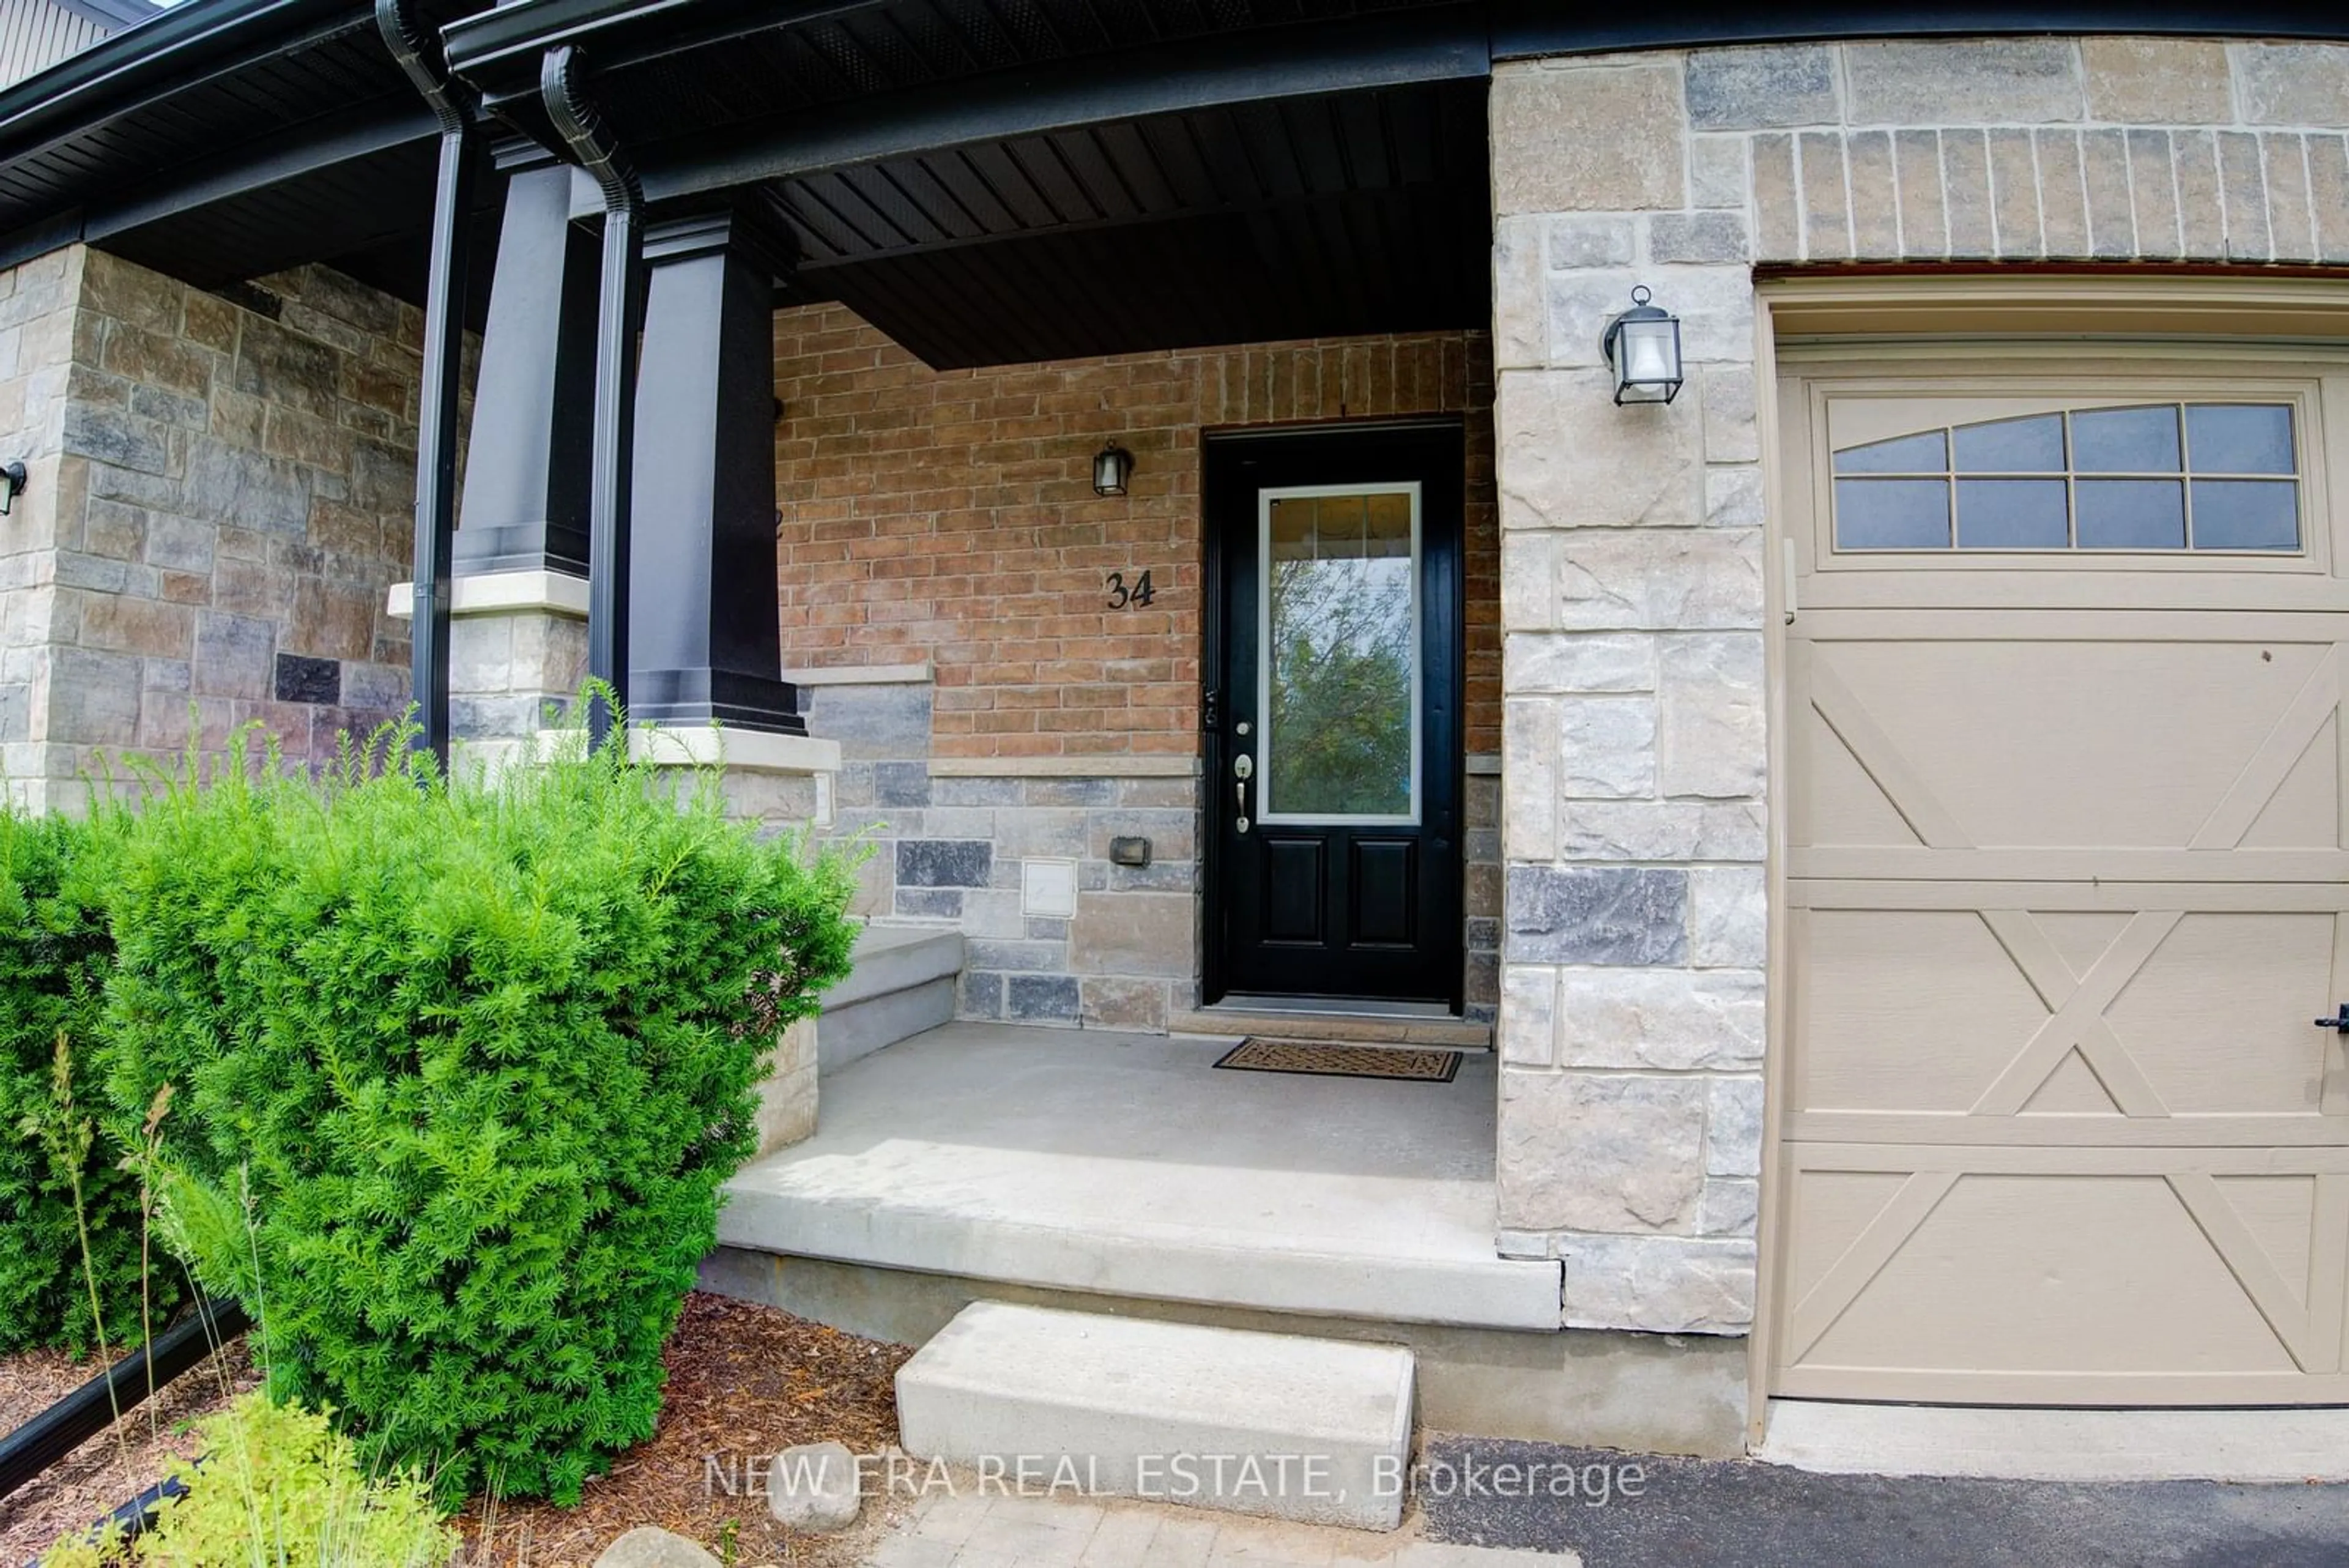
(2143, 476)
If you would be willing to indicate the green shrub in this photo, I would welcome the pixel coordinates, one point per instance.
(471, 1060)
(279, 1488)
(55, 956)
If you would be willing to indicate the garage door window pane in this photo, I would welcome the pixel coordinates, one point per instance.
(2131, 513)
(2033, 445)
(2013, 515)
(2125, 441)
(1926, 453)
(2246, 515)
(1892, 514)
(2239, 438)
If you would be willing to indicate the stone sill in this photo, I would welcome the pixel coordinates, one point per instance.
(863, 675)
(738, 751)
(1102, 767)
(502, 593)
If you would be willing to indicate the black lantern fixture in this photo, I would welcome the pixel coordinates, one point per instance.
(11, 480)
(1643, 349)
(1111, 466)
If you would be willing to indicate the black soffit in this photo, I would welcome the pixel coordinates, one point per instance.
(988, 179)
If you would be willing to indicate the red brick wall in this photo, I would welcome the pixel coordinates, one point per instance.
(949, 516)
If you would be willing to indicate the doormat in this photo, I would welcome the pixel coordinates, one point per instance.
(1322, 1059)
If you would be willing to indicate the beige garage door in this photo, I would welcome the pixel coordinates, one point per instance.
(2068, 879)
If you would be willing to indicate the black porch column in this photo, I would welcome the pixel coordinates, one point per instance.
(526, 473)
(704, 639)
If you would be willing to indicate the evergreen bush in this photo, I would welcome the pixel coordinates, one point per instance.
(56, 953)
(471, 1060)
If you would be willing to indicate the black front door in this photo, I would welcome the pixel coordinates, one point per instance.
(1332, 713)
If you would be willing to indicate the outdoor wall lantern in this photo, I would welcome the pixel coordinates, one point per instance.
(11, 480)
(1643, 349)
(1110, 466)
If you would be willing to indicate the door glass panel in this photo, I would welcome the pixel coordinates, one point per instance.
(1892, 514)
(2131, 515)
(1926, 453)
(1339, 672)
(2125, 441)
(2034, 445)
(2239, 438)
(2013, 515)
(2246, 515)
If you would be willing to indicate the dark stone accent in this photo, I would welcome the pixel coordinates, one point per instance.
(253, 297)
(1596, 916)
(879, 723)
(981, 995)
(112, 435)
(901, 784)
(945, 862)
(1483, 934)
(930, 903)
(1041, 996)
(1740, 90)
(282, 367)
(301, 679)
(236, 655)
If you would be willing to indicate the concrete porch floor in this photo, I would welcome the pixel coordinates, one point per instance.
(1125, 1165)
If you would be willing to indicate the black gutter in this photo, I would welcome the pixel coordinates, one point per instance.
(619, 304)
(625, 32)
(91, 1408)
(418, 56)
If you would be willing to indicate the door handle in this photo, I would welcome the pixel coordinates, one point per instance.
(2333, 1095)
(1241, 786)
(1244, 769)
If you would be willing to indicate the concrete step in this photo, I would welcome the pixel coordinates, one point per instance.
(903, 983)
(1338, 1028)
(1311, 1430)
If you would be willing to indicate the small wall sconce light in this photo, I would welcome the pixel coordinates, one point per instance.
(1112, 465)
(12, 481)
(1643, 349)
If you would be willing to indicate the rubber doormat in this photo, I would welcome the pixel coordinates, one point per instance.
(1320, 1058)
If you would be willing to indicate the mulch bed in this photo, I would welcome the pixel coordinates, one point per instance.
(94, 1479)
(744, 1381)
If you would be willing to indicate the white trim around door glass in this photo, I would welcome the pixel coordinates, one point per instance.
(1265, 650)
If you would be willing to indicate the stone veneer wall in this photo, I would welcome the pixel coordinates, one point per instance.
(1635, 812)
(947, 519)
(220, 493)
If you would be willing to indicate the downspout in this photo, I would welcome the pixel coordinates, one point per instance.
(618, 306)
(419, 55)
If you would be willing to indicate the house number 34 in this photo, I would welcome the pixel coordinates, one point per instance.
(1125, 596)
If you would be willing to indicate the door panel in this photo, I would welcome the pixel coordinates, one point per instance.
(2066, 859)
(1333, 670)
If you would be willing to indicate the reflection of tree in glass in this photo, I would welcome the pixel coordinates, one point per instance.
(1341, 686)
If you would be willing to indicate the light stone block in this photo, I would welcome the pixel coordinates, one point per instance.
(1619, 1153)
(1729, 1208)
(1734, 496)
(1607, 747)
(1971, 81)
(1731, 433)
(1596, 915)
(1729, 915)
(1568, 458)
(1617, 661)
(1664, 1020)
(1717, 176)
(1665, 1284)
(1528, 581)
(1700, 237)
(1713, 737)
(2292, 84)
(1752, 89)
(1527, 1030)
(1777, 200)
(1579, 242)
(1520, 297)
(1732, 1125)
(1659, 579)
(1599, 830)
(2158, 81)
(1588, 138)
(787, 1097)
(1529, 792)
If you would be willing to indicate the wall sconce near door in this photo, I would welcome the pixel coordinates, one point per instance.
(12, 481)
(1111, 466)
(1643, 349)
